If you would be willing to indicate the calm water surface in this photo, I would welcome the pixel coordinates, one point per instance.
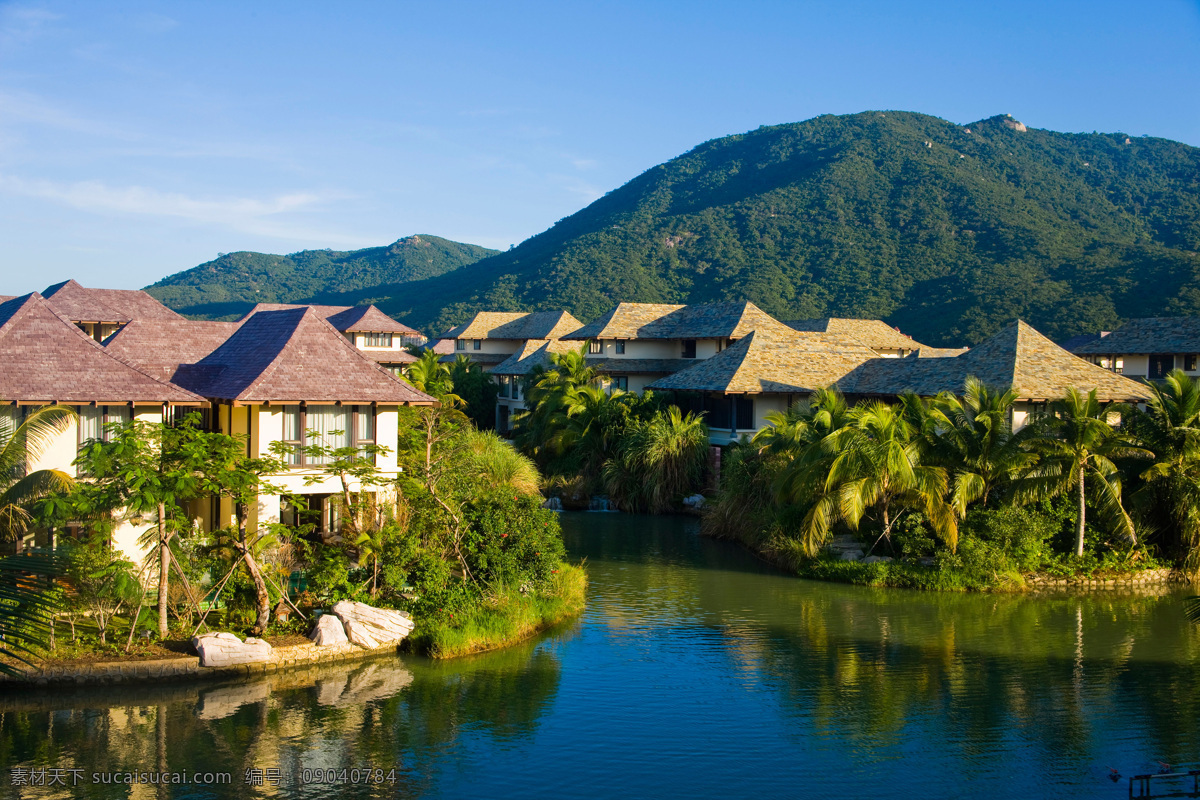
(695, 672)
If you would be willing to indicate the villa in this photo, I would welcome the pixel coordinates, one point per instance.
(101, 312)
(50, 360)
(491, 337)
(1145, 348)
(366, 327)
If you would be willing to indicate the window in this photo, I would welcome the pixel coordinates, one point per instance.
(477, 344)
(620, 382)
(1189, 363)
(620, 347)
(743, 412)
(505, 383)
(595, 346)
(329, 426)
(460, 344)
(94, 421)
(377, 340)
(689, 348)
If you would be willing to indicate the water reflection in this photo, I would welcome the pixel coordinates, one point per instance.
(696, 671)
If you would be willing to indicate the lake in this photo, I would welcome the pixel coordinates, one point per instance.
(696, 671)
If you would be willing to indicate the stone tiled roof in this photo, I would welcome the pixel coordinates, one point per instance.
(485, 360)
(1147, 336)
(160, 346)
(440, 346)
(936, 352)
(701, 321)
(773, 361)
(294, 355)
(623, 322)
(1017, 357)
(79, 304)
(515, 325)
(534, 353)
(873, 333)
(347, 319)
(640, 366)
(47, 358)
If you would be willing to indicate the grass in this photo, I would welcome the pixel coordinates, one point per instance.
(506, 617)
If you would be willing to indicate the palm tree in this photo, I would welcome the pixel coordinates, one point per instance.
(877, 465)
(26, 607)
(1076, 442)
(370, 544)
(974, 438)
(546, 395)
(19, 444)
(428, 374)
(797, 434)
(1170, 428)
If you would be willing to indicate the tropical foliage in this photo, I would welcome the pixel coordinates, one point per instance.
(946, 483)
(20, 443)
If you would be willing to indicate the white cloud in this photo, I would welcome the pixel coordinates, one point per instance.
(20, 24)
(264, 217)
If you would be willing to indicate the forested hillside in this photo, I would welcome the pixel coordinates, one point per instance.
(948, 231)
(233, 282)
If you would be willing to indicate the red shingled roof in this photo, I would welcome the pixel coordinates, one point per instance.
(347, 319)
(47, 358)
(294, 355)
(80, 304)
(160, 346)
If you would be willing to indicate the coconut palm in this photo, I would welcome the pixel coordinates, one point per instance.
(26, 607)
(428, 374)
(877, 466)
(975, 440)
(18, 486)
(1170, 428)
(1076, 446)
(546, 395)
(797, 434)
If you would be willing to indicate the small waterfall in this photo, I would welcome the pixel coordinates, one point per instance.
(599, 502)
(554, 504)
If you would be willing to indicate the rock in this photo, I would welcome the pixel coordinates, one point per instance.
(381, 625)
(227, 650)
(328, 631)
(554, 504)
(850, 555)
(359, 634)
(878, 560)
(695, 501)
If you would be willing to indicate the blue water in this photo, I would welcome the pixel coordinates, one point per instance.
(696, 671)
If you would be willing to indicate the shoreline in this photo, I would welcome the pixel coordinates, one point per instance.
(1158, 580)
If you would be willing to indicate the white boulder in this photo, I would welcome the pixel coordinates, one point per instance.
(227, 650)
(695, 501)
(328, 631)
(360, 634)
(381, 625)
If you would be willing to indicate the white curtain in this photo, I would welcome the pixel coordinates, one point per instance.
(330, 426)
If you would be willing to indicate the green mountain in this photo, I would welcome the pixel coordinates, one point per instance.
(229, 285)
(946, 231)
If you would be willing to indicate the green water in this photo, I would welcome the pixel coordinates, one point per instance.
(696, 671)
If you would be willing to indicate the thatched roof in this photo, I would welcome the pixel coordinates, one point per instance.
(515, 325)
(623, 322)
(640, 366)
(1017, 357)
(773, 361)
(1151, 335)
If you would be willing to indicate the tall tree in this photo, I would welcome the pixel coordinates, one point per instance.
(1076, 444)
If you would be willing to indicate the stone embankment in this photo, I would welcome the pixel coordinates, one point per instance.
(1145, 580)
(365, 631)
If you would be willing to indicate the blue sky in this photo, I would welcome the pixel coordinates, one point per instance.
(140, 139)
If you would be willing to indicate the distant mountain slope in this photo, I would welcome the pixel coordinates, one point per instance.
(229, 285)
(948, 231)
